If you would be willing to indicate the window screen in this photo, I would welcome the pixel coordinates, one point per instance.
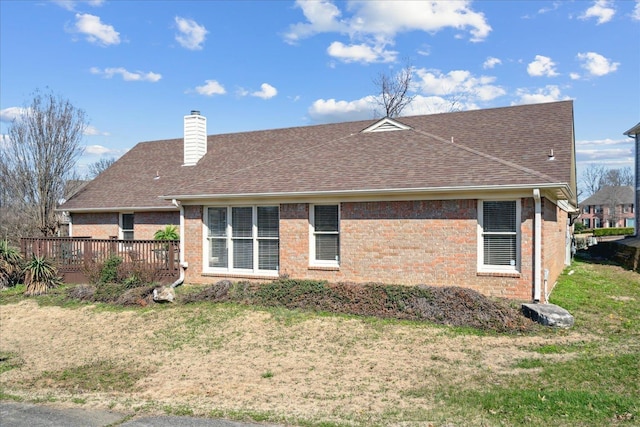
(326, 233)
(500, 233)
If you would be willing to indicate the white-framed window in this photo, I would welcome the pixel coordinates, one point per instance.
(585, 209)
(597, 209)
(324, 235)
(126, 226)
(243, 239)
(499, 235)
(586, 222)
(597, 223)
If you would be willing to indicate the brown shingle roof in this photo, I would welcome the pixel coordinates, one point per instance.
(481, 148)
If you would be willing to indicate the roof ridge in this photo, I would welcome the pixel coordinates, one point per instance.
(488, 156)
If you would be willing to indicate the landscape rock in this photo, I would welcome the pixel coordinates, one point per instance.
(548, 315)
(164, 294)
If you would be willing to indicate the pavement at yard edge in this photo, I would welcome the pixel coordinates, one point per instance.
(28, 415)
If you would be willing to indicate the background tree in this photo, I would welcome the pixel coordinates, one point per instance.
(100, 166)
(393, 89)
(37, 160)
(595, 177)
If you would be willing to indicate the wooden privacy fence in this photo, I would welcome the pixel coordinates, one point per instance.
(75, 255)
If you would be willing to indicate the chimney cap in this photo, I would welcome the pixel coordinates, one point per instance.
(195, 112)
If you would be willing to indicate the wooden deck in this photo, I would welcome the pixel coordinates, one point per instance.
(74, 255)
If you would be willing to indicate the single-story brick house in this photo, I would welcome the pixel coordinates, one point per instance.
(481, 199)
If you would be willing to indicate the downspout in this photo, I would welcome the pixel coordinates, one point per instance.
(537, 246)
(183, 264)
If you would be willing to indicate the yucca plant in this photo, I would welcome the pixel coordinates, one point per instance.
(40, 275)
(10, 265)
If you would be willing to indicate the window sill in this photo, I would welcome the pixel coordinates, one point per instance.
(513, 274)
(324, 267)
(221, 275)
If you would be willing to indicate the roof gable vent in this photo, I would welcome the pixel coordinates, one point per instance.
(386, 125)
(195, 138)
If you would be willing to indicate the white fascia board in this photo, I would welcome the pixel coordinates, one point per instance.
(119, 209)
(442, 193)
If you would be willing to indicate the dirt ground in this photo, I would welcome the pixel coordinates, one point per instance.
(226, 358)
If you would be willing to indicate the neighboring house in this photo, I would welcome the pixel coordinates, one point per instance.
(480, 199)
(611, 206)
(634, 133)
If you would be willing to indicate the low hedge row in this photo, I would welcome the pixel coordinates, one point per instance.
(444, 305)
(611, 231)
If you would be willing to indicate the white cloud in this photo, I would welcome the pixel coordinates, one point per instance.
(266, 91)
(554, 6)
(542, 66)
(549, 93)
(98, 150)
(210, 88)
(191, 35)
(459, 84)
(322, 16)
(596, 64)
(361, 53)
(491, 62)
(373, 25)
(93, 131)
(635, 15)
(11, 113)
(127, 75)
(95, 30)
(71, 4)
(330, 110)
(609, 152)
(601, 10)
(574, 76)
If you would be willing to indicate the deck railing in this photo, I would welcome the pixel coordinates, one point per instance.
(73, 255)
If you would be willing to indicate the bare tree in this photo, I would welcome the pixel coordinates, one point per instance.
(40, 156)
(618, 177)
(100, 166)
(393, 89)
(595, 177)
(591, 179)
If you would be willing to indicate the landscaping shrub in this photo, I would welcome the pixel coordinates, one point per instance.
(114, 270)
(11, 265)
(445, 305)
(621, 231)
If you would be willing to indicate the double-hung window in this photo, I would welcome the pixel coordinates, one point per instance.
(324, 239)
(126, 226)
(499, 235)
(243, 239)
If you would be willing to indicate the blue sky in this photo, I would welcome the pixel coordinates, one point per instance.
(137, 67)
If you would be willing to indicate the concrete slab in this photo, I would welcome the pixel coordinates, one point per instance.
(548, 315)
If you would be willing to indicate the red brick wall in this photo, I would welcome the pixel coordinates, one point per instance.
(107, 224)
(145, 224)
(193, 245)
(95, 225)
(408, 242)
(554, 232)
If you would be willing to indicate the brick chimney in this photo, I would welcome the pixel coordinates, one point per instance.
(195, 138)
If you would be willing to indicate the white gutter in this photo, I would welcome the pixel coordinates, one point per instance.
(183, 264)
(563, 187)
(537, 247)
